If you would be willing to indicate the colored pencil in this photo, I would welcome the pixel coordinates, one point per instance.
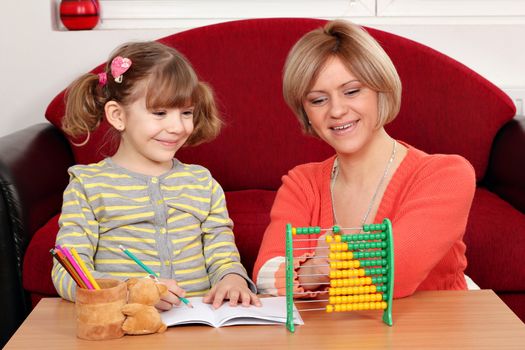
(75, 266)
(150, 271)
(84, 268)
(67, 266)
(140, 263)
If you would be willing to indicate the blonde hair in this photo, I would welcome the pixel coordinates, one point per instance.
(169, 80)
(359, 52)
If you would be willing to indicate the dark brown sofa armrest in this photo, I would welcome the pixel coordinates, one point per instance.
(506, 171)
(33, 175)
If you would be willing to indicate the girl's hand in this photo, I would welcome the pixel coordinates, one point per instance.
(172, 297)
(232, 287)
(315, 270)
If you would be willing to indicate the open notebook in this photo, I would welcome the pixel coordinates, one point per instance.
(272, 311)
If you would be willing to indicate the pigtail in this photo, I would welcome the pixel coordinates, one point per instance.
(84, 106)
(206, 118)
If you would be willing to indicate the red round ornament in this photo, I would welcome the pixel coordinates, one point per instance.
(79, 14)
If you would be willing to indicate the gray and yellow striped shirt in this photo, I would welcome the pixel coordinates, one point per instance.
(176, 223)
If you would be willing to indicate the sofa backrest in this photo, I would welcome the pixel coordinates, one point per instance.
(446, 107)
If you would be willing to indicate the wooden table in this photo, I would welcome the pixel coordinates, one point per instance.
(426, 320)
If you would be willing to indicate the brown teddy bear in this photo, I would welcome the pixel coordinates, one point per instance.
(142, 316)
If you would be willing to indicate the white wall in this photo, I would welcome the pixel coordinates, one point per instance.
(36, 62)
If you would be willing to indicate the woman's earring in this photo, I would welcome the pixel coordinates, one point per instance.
(309, 122)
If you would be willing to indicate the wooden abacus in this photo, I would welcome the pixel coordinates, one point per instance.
(361, 268)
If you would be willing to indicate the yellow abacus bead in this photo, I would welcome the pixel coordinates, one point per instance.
(344, 308)
(344, 299)
(368, 280)
(367, 289)
(332, 256)
(331, 300)
(361, 272)
(294, 231)
(329, 308)
(329, 238)
(356, 264)
(337, 238)
(373, 288)
(337, 308)
(383, 305)
(367, 306)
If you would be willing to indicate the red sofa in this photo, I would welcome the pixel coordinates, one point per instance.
(446, 108)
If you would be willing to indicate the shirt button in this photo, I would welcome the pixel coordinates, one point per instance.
(154, 180)
(162, 230)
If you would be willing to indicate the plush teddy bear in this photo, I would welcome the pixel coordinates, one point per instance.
(142, 316)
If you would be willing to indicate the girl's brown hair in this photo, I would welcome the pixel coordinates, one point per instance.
(361, 55)
(169, 81)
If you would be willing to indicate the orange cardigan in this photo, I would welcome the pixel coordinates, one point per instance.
(428, 201)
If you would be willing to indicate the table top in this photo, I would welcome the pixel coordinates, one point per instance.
(430, 320)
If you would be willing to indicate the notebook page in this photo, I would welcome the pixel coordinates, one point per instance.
(272, 311)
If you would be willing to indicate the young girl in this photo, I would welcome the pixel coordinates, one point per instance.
(171, 215)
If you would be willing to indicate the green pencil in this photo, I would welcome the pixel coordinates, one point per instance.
(150, 271)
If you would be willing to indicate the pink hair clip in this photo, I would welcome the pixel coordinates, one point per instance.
(102, 78)
(119, 66)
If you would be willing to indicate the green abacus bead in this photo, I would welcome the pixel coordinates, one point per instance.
(336, 229)
(366, 228)
(317, 229)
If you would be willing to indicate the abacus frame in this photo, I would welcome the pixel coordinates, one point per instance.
(385, 227)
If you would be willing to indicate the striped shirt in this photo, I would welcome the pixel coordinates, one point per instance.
(177, 224)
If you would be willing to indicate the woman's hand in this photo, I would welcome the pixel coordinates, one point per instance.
(234, 288)
(172, 297)
(315, 270)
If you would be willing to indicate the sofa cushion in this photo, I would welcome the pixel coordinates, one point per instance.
(501, 248)
(38, 261)
(249, 210)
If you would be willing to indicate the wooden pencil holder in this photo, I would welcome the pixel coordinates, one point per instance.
(98, 311)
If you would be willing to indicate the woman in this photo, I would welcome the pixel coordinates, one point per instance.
(344, 88)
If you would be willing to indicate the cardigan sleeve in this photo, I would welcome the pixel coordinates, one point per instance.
(429, 221)
(78, 229)
(294, 203)
(219, 249)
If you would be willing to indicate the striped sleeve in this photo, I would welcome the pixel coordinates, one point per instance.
(78, 229)
(220, 251)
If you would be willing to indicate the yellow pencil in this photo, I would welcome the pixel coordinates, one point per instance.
(84, 268)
